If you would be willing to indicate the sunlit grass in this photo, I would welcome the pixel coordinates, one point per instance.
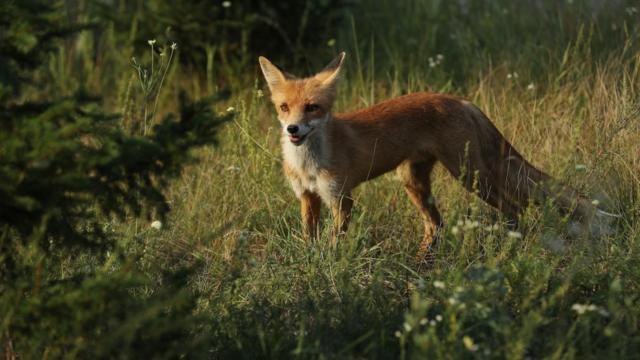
(235, 212)
(565, 95)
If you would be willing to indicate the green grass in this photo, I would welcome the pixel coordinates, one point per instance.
(265, 292)
(272, 294)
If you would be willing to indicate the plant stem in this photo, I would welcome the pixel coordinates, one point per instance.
(155, 105)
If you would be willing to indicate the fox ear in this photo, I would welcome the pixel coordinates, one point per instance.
(331, 72)
(271, 73)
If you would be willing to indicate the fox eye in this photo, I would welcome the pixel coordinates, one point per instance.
(284, 108)
(311, 108)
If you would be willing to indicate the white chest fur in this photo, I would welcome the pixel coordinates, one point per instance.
(308, 164)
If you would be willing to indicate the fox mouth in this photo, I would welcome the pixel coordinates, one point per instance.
(297, 139)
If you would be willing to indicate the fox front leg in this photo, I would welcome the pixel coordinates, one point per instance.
(310, 211)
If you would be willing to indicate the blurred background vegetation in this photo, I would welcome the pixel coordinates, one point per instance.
(124, 234)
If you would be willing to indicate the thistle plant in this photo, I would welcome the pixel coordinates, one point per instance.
(151, 79)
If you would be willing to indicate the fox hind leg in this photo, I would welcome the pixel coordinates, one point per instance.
(416, 176)
(492, 182)
(341, 209)
(493, 192)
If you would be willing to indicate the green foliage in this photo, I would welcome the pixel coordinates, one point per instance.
(64, 161)
(232, 33)
(67, 171)
(99, 316)
(225, 273)
(289, 305)
(450, 42)
(481, 314)
(29, 29)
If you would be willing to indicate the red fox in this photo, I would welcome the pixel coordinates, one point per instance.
(326, 154)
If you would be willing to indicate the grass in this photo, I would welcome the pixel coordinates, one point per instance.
(572, 110)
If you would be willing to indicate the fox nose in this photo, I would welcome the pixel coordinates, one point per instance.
(292, 129)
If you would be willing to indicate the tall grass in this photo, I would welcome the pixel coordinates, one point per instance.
(573, 109)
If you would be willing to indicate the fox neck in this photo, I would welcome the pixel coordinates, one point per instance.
(313, 154)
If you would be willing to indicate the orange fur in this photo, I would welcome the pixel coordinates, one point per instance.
(409, 133)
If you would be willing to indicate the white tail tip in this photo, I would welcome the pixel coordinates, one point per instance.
(599, 225)
(604, 213)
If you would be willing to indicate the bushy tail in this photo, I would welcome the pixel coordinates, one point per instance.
(509, 182)
(523, 183)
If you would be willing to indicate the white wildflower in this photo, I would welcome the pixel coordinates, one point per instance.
(595, 202)
(531, 87)
(231, 109)
(331, 42)
(455, 230)
(468, 224)
(424, 321)
(259, 93)
(174, 46)
(440, 57)
(407, 327)
(581, 309)
(581, 167)
(398, 334)
(469, 344)
(156, 225)
(514, 235)
(151, 42)
(226, 4)
(432, 323)
(438, 318)
(438, 284)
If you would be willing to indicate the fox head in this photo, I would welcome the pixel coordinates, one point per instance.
(303, 105)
